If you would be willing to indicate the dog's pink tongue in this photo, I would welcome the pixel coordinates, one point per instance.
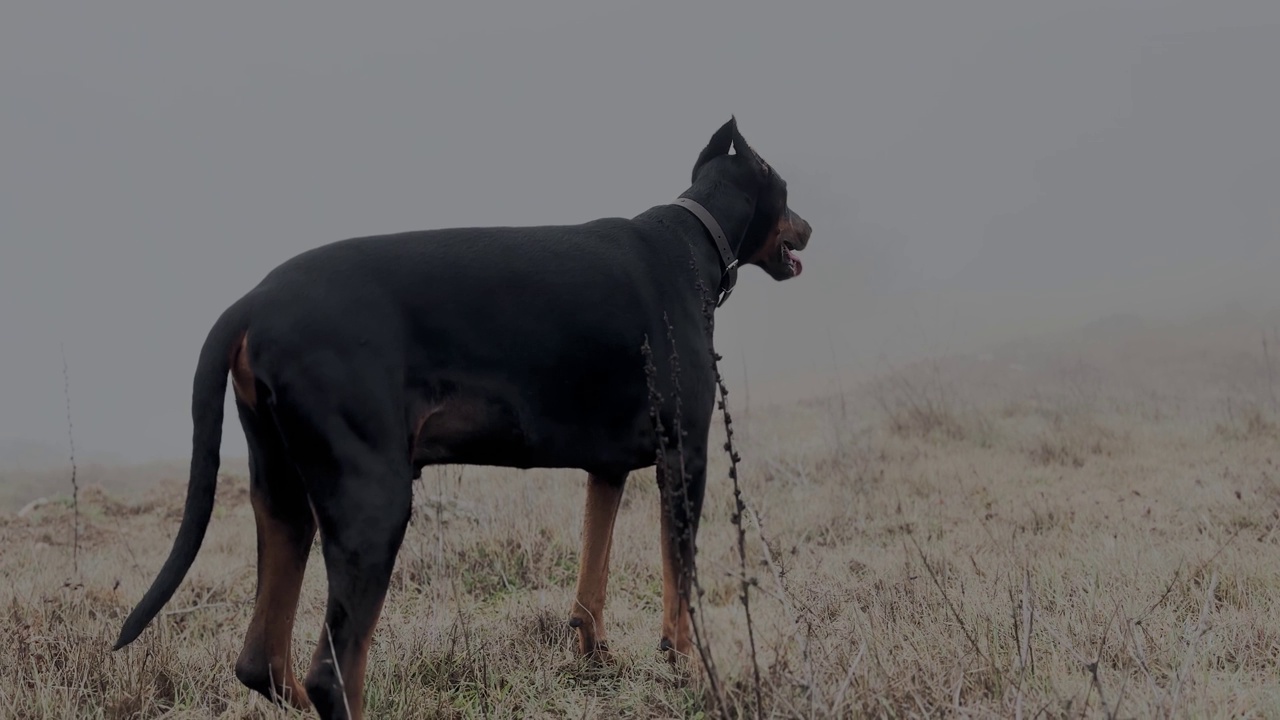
(795, 262)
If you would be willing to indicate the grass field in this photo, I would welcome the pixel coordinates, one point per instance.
(1077, 531)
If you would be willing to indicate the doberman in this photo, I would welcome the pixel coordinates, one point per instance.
(359, 362)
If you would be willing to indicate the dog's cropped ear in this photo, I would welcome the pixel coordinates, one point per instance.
(719, 145)
(741, 147)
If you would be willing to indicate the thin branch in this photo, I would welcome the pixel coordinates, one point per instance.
(75, 486)
(947, 599)
(744, 583)
(198, 608)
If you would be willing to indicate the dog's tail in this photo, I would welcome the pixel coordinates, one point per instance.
(208, 398)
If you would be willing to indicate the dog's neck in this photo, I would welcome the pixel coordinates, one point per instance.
(731, 207)
(725, 213)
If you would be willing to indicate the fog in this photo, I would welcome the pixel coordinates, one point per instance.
(973, 171)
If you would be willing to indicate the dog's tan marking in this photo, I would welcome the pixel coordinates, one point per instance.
(449, 422)
(352, 666)
(771, 248)
(676, 626)
(242, 379)
(267, 655)
(603, 499)
(356, 667)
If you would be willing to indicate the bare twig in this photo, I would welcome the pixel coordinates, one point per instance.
(1181, 676)
(695, 586)
(744, 583)
(838, 703)
(1271, 388)
(1028, 622)
(1024, 640)
(128, 548)
(964, 627)
(1097, 661)
(1075, 654)
(1199, 569)
(835, 372)
(664, 488)
(746, 400)
(197, 608)
(333, 658)
(785, 597)
(1137, 650)
(75, 486)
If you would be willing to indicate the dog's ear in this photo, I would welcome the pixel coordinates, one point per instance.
(741, 147)
(719, 145)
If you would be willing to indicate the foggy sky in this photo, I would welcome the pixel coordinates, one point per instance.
(971, 169)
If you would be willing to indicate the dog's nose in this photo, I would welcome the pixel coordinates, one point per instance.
(802, 229)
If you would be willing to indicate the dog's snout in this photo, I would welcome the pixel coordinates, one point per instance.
(801, 228)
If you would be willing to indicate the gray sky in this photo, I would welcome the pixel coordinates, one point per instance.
(971, 169)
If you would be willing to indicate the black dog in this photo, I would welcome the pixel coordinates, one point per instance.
(356, 364)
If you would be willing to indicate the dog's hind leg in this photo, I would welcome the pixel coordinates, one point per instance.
(285, 528)
(362, 523)
(604, 494)
(360, 485)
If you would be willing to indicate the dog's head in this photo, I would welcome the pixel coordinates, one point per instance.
(776, 232)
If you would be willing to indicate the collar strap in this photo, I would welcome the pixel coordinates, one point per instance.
(727, 258)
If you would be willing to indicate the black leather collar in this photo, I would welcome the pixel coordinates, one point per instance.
(727, 259)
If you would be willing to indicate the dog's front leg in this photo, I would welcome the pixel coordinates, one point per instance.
(681, 509)
(604, 494)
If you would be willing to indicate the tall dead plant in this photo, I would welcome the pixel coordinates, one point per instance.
(75, 486)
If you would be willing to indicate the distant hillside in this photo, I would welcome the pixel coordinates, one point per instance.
(19, 485)
(28, 455)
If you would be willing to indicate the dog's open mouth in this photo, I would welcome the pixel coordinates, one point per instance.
(791, 259)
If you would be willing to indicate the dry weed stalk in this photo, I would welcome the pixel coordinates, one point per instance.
(75, 486)
(744, 583)
(784, 596)
(946, 598)
(333, 657)
(1022, 628)
(923, 407)
(1270, 369)
(665, 472)
(1180, 677)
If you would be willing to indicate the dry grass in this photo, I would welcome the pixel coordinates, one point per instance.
(1061, 551)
